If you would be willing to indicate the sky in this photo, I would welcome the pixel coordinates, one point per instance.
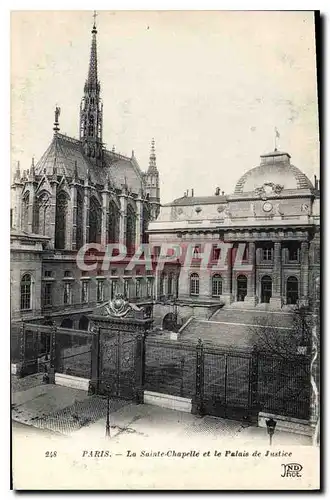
(209, 87)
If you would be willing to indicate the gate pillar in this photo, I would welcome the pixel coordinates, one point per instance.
(95, 363)
(197, 400)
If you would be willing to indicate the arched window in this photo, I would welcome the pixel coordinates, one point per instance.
(95, 216)
(60, 220)
(113, 225)
(170, 284)
(83, 323)
(25, 211)
(91, 125)
(216, 285)
(130, 230)
(266, 289)
(194, 284)
(79, 232)
(145, 222)
(67, 323)
(292, 294)
(241, 287)
(26, 292)
(41, 221)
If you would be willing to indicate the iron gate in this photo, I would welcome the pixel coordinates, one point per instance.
(120, 364)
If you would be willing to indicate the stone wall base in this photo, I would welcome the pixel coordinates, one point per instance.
(275, 302)
(287, 424)
(71, 381)
(167, 401)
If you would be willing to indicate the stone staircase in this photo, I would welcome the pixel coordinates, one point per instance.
(232, 327)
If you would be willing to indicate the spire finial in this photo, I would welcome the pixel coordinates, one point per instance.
(277, 136)
(94, 30)
(56, 127)
(152, 157)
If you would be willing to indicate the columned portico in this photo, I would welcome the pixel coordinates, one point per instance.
(227, 278)
(304, 273)
(251, 276)
(275, 299)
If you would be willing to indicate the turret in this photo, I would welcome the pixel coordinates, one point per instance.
(152, 181)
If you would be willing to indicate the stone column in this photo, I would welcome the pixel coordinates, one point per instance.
(52, 213)
(276, 300)
(139, 221)
(304, 271)
(251, 297)
(105, 217)
(31, 207)
(71, 240)
(122, 221)
(86, 214)
(227, 278)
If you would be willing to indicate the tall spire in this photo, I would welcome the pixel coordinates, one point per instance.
(91, 108)
(152, 158)
(92, 81)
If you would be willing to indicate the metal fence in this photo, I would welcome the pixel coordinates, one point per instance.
(73, 352)
(170, 368)
(284, 385)
(230, 383)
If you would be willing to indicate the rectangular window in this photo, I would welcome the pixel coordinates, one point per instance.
(84, 292)
(267, 254)
(100, 290)
(67, 295)
(113, 288)
(126, 289)
(48, 274)
(149, 288)
(137, 289)
(293, 253)
(197, 252)
(156, 251)
(215, 253)
(48, 294)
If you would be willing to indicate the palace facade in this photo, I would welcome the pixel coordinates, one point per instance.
(272, 218)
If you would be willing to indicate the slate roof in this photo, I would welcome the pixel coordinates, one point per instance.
(65, 151)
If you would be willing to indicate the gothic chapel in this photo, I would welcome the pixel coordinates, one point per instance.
(78, 192)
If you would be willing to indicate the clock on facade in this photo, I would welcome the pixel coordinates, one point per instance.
(267, 206)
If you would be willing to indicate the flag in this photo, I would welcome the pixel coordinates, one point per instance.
(277, 134)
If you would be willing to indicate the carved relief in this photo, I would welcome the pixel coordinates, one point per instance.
(268, 189)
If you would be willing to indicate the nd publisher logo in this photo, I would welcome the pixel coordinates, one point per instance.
(291, 470)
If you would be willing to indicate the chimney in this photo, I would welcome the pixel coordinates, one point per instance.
(223, 193)
(192, 193)
(217, 191)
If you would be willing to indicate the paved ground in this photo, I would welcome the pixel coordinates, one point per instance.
(71, 412)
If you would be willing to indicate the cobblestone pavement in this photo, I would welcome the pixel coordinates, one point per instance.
(22, 384)
(80, 414)
(56, 408)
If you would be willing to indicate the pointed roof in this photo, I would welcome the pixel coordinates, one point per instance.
(68, 155)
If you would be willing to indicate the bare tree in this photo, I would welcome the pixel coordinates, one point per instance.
(267, 336)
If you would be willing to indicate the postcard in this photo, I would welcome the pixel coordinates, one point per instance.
(165, 250)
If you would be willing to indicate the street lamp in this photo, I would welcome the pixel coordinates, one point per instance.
(271, 424)
(107, 425)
